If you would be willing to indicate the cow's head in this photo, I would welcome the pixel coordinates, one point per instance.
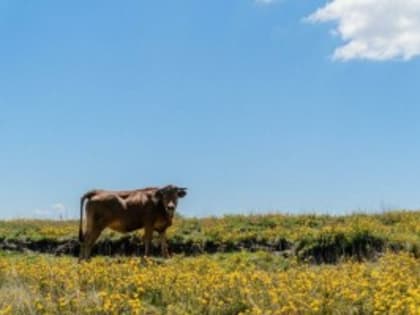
(168, 196)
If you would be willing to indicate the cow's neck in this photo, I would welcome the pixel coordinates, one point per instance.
(163, 212)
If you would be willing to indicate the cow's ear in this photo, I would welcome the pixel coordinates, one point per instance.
(182, 192)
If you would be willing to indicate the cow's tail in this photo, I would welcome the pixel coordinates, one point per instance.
(86, 196)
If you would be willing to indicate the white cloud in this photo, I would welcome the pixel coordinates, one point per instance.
(59, 207)
(57, 210)
(42, 212)
(374, 29)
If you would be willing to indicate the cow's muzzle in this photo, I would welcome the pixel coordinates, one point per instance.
(170, 211)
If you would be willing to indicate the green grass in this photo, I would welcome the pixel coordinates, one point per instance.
(318, 238)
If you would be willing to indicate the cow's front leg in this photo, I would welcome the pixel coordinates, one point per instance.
(164, 244)
(147, 238)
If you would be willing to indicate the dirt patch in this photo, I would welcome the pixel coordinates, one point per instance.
(332, 248)
(327, 248)
(133, 246)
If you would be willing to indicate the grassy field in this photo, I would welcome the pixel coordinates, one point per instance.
(309, 237)
(270, 264)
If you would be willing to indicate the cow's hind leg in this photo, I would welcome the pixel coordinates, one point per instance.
(89, 240)
(94, 228)
(82, 251)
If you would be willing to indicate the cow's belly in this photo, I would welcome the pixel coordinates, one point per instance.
(124, 225)
(161, 224)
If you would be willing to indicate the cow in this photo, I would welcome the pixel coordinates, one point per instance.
(150, 208)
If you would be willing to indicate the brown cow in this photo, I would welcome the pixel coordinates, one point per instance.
(125, 211)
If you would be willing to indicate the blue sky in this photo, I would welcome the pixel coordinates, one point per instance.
(255, 106)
